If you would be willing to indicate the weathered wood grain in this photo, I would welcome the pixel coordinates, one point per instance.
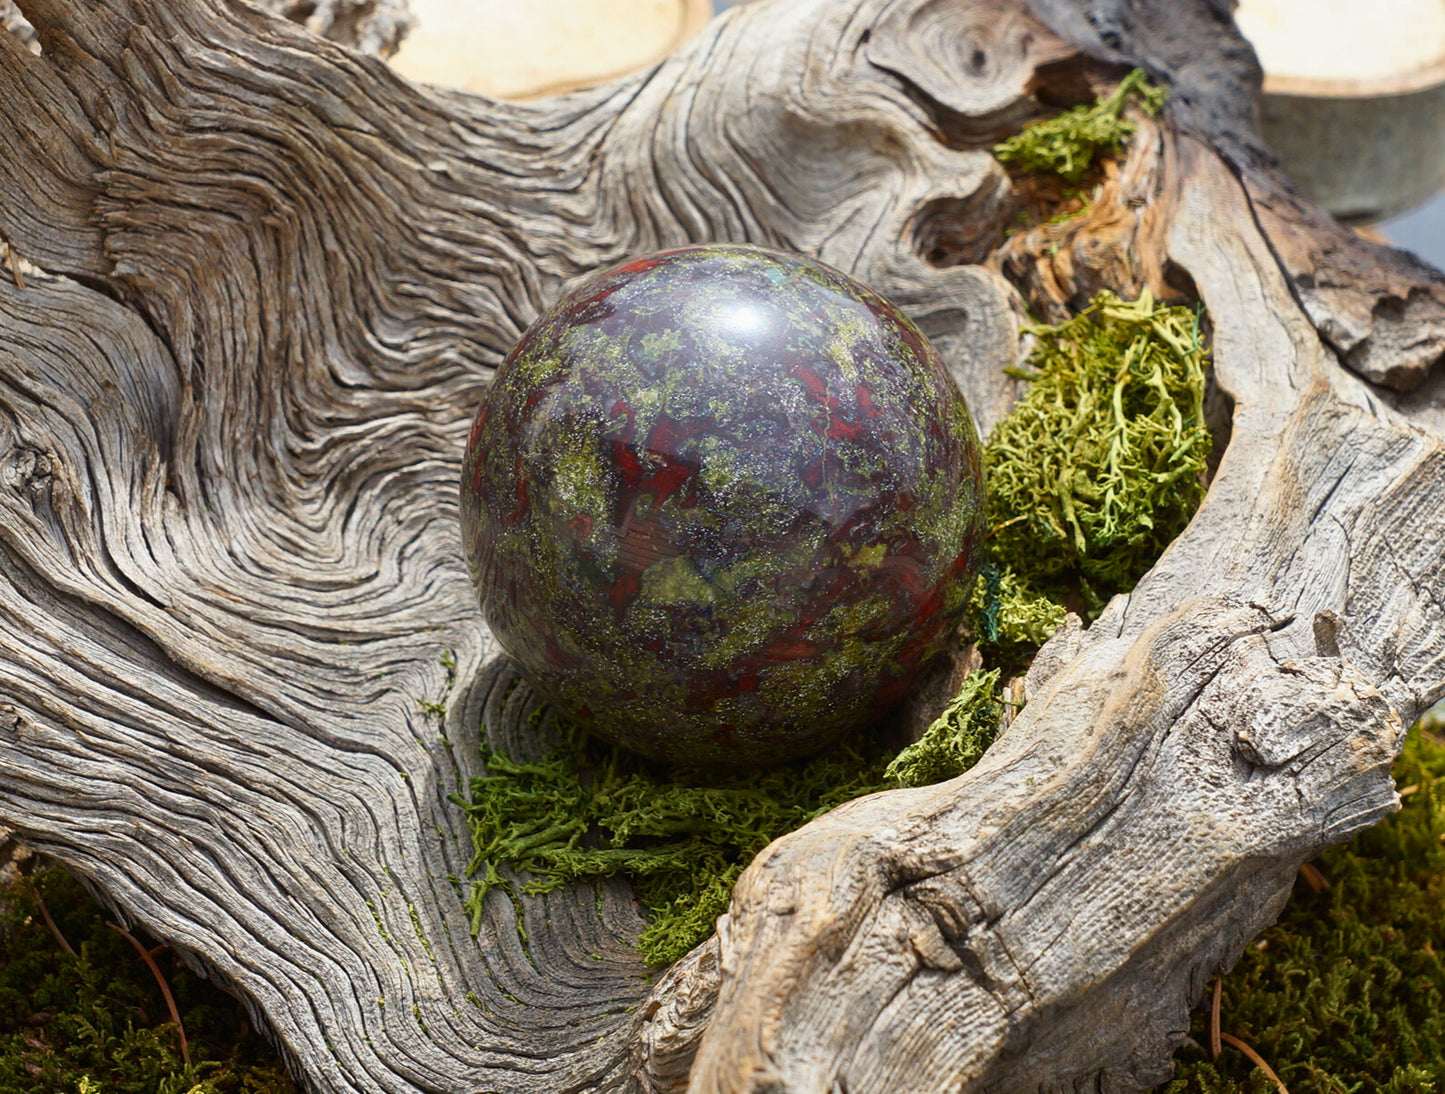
(1026, 926)
(232, 408)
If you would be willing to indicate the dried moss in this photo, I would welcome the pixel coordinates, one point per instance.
(1102, 463)
(96, 1023)
(1067, 144)
(1347, 991)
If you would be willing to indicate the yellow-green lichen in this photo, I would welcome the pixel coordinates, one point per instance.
(957, 738)
(1067, 144)
(1009, 614)
(1102, 463)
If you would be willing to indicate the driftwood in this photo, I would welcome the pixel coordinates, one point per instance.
(254, 288)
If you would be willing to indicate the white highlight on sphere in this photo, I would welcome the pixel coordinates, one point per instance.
(747, 319)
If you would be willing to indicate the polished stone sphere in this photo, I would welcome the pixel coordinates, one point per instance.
(722, 505)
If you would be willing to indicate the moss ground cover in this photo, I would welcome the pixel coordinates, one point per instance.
(1346, 992)
(96, 1022)
(1068, 144)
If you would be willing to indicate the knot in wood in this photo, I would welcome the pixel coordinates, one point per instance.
(28, 470)
(1295, 714)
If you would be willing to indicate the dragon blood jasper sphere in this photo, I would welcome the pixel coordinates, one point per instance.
(722, 505)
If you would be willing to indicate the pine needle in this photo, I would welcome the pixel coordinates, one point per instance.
(1256, 1059)
(1215, 1035)
(145, 955)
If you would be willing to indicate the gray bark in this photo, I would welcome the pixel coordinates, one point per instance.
(264, 284)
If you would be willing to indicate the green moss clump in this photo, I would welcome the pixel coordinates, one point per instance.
(683, 835)
(1009, 620)
(1347, 991)
(957, 738)
(96, 1023)
(1065, 145)
(1102, 463)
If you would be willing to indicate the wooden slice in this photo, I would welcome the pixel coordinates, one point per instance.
(516, 50)
(1354, 99)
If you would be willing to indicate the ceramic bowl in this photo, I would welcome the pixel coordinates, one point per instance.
(1364, 149)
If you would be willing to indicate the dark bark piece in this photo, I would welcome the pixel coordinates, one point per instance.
(231, 420)
(1381, 309)
(1117, 241)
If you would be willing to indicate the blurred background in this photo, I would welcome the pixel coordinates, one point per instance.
(1421, 230)
(1354, 105)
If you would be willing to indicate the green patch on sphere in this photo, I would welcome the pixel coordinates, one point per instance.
(676, 581)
